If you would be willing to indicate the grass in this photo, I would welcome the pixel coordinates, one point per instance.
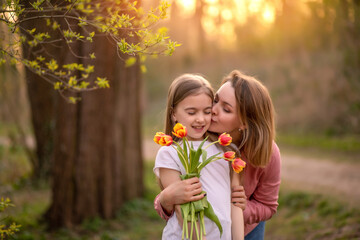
(136, 219)
(345, 148)
(303, 215)
(300, 215)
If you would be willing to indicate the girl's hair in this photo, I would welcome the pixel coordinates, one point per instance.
(256, 111)
(183, 86)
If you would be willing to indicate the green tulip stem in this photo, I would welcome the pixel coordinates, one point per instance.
(210, 144)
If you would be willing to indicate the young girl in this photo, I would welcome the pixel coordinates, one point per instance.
(189, 103)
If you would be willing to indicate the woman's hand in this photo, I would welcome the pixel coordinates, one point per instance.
(238, 197)
(181, 192)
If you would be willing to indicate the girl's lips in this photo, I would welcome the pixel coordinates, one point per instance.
(198, 129)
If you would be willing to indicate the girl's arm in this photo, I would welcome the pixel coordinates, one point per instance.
(237, 217)
(177, 193)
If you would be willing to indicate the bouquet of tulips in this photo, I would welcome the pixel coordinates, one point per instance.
(190, 159)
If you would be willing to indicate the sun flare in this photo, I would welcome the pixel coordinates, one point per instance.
(268, 14)
(187, 6)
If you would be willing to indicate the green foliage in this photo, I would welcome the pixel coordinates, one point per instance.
(337, 143)
(12, 228)
(337, 148)
(312, 216)
(131, 28)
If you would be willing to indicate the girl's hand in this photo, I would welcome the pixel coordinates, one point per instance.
(181, 192)
(238, 197)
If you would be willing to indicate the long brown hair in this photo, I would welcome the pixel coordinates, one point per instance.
(182, 87)
(256, 111)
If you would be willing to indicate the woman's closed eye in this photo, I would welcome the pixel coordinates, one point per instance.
(226, 110)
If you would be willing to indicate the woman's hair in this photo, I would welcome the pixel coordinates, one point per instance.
(256, 111)
(183, 86)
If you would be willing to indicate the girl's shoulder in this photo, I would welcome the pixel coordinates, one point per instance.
(165, 150)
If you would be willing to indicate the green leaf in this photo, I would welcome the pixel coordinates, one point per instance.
(185, 211)
(52, 65)
(143, 68)
(193, 161)
(209, 212)
(130, 61)
(73, 99)
(58, 85)
(102, 82)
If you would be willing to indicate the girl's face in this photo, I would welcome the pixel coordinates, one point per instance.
(194, 112)
(224, 112)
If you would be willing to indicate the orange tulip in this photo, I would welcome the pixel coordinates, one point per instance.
(179, 130)
(229, 155)
(158, 136)
(238, 165)
(225, 139)
(165, 140)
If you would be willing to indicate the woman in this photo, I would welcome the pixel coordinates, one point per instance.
(243, 108)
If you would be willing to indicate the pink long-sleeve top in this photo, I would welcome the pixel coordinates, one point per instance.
(261, 188)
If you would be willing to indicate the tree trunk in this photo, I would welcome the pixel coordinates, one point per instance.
(98, 160)
(41, 97)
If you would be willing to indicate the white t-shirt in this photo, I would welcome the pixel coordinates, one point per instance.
(215, 179)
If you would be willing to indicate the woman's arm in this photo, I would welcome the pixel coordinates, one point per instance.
(263, 203)
(237, 218)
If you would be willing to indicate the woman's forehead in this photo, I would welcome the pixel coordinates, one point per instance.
(226, 93)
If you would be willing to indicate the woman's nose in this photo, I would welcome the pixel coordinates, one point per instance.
(214, 110)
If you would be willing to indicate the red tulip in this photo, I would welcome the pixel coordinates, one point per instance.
(238, 165)
(229, 155)
(179, 130)
(166, 140)
(158, 136)
(225, 139)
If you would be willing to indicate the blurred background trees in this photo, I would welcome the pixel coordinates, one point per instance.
(306, 52)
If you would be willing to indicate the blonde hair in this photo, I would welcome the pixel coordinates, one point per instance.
(256, 111)
(182, 87)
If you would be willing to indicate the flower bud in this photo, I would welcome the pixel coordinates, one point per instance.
(225, 139)
(158, 136)
(229, 155)
(165, 140)
(179, 130)
(238, 165)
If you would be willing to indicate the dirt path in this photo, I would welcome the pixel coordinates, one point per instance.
(340, 180)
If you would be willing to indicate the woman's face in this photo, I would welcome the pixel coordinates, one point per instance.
(224, 112)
